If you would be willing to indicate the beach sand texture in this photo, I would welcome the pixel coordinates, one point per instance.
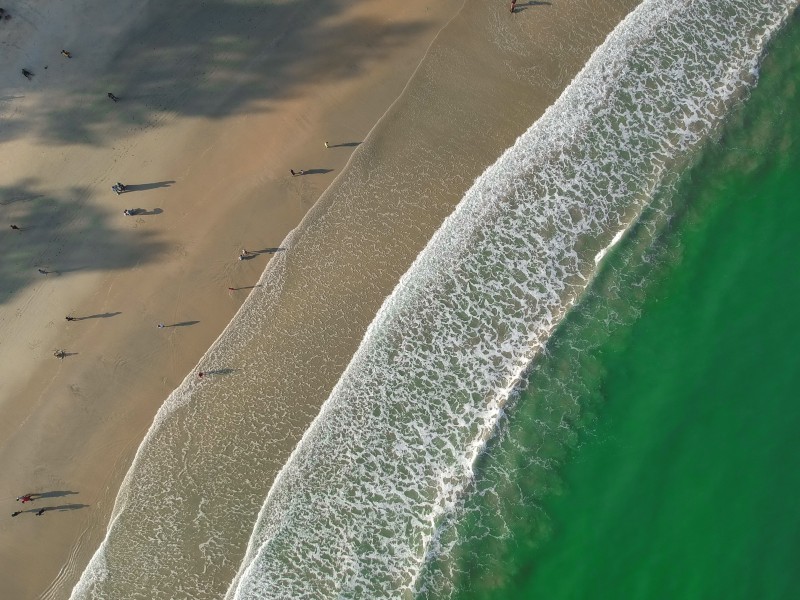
(217, 103)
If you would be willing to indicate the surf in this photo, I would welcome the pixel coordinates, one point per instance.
(357, 510)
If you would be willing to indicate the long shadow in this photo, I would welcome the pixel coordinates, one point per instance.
(51, 494)
(141, 212)
(61, 507)
(67, 507)
(345, 145)
(315, 171)
(141, 187)
(64, 233)
(521, 7)
(183, 324)
(107, 315)
(204, 59)
(268, 251)
(245, 287)
(224, 371)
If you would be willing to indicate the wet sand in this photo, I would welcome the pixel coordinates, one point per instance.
(208, 125)
(217, 103)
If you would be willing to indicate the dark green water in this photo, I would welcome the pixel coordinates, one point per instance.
(656, 453)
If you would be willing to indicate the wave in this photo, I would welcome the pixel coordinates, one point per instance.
(357, 510)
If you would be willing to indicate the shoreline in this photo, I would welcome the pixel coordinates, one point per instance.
(350, 250)
(350, 255)
(74, 425)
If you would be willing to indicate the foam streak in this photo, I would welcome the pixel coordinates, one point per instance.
(355, 511)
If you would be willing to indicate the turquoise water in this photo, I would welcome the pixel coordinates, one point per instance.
(391, 492)
(655, 452)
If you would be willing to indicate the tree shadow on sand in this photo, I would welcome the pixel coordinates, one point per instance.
(63, 234)
(206, 59)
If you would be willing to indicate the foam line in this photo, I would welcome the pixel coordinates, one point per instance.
(355, 511)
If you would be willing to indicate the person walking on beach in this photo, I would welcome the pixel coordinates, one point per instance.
(15, 228)
(513, 6)
(27, 74)
(25, 498)
(200, 374)
(161, 326)
(113, 97)
(66, 54)
(292, 172)
(42, 271)
(16, 512)
(40, 512)
(326, 145)
(70, 318)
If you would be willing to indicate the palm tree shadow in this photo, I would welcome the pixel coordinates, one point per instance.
(53, 235)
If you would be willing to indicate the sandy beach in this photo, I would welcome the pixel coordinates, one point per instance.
(217, 103)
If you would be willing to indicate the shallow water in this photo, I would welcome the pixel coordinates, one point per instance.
(365, 501)
(654, 454)
(365, 504)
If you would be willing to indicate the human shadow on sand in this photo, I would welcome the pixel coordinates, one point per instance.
(51, 494)
(67, 507)
(142, 187)
(223, 371)
(521, 7)
(107, 315)
(268, 251)
(183, 324)
(61, 508)
(143, 212)
(315, 171)
(345, 145)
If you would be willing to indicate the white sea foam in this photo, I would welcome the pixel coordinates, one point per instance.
(355, 512)
(599, 256)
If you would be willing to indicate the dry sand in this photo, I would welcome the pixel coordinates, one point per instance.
(216, 108)
(218, 102)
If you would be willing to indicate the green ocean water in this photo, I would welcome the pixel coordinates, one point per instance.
(656, 451)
